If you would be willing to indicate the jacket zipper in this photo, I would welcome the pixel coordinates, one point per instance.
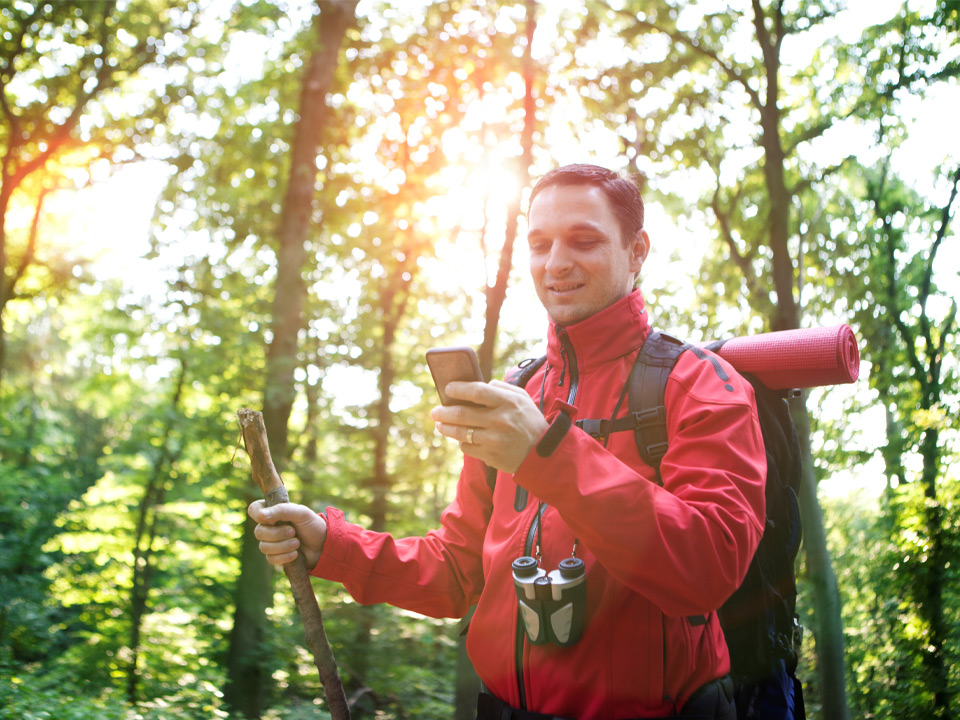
(570, 357)
(570, 362)
(521, 632)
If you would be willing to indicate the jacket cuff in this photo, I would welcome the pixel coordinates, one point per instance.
(334, 550)
(554, 435)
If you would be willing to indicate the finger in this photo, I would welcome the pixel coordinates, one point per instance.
(476, 451)
(281, 558)
(461, 433)
(255, 510)
(459, 415)
(507, 387)
(274, 533)
(476, 392)
(448, 430)
(285, 512)
(280, 547)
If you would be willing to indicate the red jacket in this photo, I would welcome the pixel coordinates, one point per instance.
(654, 554)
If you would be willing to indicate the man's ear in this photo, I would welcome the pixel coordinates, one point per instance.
(639, 249)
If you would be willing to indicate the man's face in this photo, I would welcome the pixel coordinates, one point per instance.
(578, 260)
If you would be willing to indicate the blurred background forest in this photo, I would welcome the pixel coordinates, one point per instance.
(282, 204)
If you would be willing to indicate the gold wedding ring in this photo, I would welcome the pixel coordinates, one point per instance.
(469, 439)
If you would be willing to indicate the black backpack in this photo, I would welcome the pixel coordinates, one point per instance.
(759, 620)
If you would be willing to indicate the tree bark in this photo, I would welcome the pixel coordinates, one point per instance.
(246, 681)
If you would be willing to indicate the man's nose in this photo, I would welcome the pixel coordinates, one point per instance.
(559, 259)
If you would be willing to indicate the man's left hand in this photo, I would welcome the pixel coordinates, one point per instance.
(501, 431)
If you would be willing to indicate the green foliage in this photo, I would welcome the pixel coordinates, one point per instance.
(52, 437)
(884, 626)
(31, 696)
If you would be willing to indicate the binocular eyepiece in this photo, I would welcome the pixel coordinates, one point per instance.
(552, 604)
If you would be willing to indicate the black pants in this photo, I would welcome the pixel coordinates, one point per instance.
(714, 701)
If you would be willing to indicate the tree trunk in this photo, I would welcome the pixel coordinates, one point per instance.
(892, 452)
(5, 289)
(932, 579)
(310, 490)
(828, 630)
(153, 498)
(496, 294)
(246, 681)
(247, 676)
(393, 306)
(770, 33)
(381, 481)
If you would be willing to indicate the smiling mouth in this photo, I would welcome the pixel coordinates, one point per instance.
(564, 288)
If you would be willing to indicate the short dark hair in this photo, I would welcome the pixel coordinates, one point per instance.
(623, 194)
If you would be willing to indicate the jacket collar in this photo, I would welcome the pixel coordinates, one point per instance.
(612, 333)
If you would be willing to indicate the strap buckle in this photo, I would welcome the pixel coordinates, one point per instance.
(648, 418)
(597, 429)
(797, 635)
(657, 450)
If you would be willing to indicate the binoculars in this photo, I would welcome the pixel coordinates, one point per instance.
(552, 604)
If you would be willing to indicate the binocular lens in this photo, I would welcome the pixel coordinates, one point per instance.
(552, 605)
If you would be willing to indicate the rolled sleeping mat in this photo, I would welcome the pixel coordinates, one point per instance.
(808, 357)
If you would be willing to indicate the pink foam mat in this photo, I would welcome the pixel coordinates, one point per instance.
(803, 358)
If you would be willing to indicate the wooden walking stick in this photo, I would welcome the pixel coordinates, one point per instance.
(270, 484)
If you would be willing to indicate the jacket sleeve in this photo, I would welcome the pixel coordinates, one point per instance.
(685, 545)
(439, 575)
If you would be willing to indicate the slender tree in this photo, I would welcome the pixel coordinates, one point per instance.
(145, 535)
(496, 292)
(247, 681)
(902, 278)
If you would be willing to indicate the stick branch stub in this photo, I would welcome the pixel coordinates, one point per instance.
(257, 447)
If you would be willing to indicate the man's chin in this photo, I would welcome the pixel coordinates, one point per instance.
(568, 315)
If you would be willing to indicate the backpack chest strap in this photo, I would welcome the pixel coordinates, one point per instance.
(647, 416)
(640, 420)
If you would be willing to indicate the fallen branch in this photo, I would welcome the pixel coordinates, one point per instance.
(274, 493)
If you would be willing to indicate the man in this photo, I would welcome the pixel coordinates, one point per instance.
(661, 553)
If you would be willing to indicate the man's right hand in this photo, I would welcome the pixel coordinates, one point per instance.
(279, 543)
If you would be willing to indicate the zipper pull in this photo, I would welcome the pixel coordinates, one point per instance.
(564, 354)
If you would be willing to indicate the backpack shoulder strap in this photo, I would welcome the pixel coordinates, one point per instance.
(526, 370)
(647, 386)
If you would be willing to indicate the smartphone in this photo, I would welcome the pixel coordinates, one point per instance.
(453, 363)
